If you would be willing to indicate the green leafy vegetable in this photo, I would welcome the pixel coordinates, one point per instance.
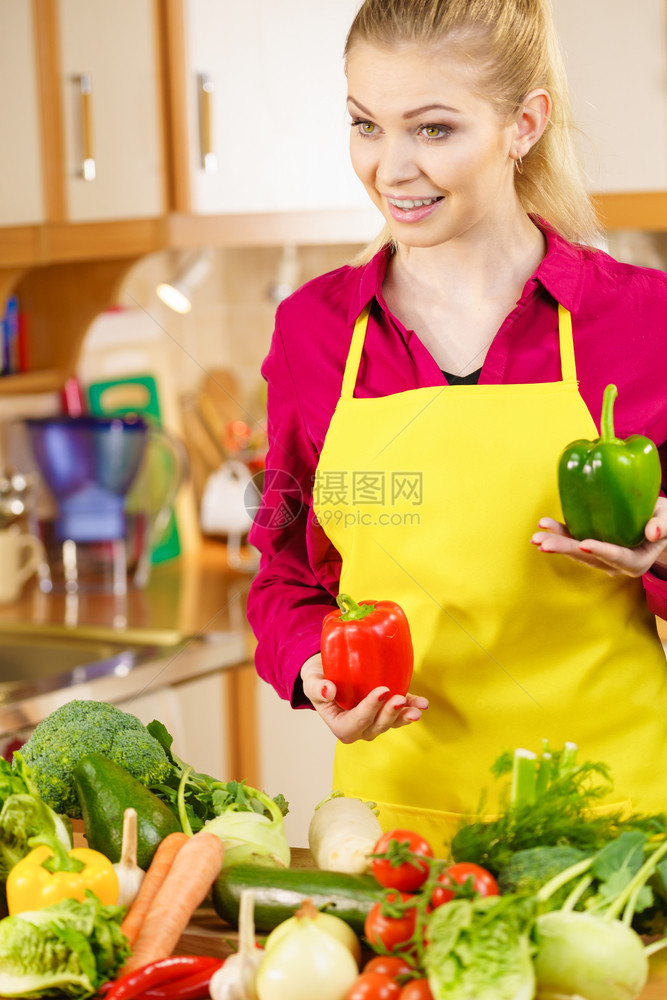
(65, 950)
(551, 802)
(481, 949)
(247, 820)
(24, 815)
(11, 780)
(528, 870)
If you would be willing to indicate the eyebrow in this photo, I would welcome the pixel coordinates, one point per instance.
(408, 114)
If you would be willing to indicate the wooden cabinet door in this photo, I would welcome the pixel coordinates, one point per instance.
(276, 98)
(111, 101)
(21, 193)
(615, 53)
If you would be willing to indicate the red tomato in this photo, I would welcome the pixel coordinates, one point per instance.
(373, 986)
(464, 873)
(416, 989)
(400, 872)
(390, 932)
(389, 965)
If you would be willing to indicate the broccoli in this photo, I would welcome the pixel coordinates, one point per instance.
(82, 727)
(528, 870)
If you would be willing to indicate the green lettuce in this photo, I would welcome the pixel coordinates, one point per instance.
(23, 814)
(65, 950)
(481, 949)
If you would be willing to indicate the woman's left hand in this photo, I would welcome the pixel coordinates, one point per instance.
(613, 559)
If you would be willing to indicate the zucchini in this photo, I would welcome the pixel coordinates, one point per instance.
(279, 892)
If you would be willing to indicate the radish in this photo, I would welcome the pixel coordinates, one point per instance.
(343, 833)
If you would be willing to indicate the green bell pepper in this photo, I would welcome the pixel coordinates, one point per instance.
(608, 487)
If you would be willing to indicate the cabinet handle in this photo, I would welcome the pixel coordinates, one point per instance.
(86, 91)
(209, 159)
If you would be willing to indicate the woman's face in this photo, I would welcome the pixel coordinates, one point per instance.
(432, 153)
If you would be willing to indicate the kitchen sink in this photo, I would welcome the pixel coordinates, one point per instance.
(39, 658)
(42, 652)
(43, 666)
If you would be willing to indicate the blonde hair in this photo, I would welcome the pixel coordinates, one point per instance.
(514, 46)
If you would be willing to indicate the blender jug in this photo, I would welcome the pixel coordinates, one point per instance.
(108, 515)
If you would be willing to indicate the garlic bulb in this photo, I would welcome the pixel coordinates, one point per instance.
(236, 979)
(130, 875)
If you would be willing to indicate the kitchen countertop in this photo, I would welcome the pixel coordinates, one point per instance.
(187, 621)
(195, 593)
(207, 934)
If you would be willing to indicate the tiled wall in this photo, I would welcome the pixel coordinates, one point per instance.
(232, 317)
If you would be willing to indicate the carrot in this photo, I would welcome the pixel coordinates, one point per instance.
(189, 879)
(157, 872)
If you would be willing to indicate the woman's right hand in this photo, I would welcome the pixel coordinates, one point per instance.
(378, 712)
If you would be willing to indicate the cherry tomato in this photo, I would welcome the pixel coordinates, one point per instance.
(398, 872)
(416, 989)
(464, 873)
(373, 986)
(391, 932)
(389, 965)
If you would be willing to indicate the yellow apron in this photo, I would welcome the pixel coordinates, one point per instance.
(431, 496)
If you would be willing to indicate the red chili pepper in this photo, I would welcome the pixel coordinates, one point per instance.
(155, 973)
(364, 646)
(194, 987)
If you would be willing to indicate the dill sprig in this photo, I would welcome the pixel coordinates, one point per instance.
(551, 800)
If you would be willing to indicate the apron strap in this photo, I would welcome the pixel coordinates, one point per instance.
(565, 336)
(568, 365)
(354, 354)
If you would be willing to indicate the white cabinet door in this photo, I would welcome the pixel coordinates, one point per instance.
(110, 50)
(616, 58)
(278, 117)
(296, 752)
(21, 194)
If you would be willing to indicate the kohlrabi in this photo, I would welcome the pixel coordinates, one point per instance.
(593, 953)
(249, 822)
(252, 834)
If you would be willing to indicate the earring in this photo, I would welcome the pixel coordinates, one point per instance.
(518, 163)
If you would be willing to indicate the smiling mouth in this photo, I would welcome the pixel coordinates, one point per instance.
(408, 203)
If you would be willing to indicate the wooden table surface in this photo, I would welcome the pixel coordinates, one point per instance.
(209, 935)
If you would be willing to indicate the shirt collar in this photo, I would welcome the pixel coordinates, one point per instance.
(560, 272)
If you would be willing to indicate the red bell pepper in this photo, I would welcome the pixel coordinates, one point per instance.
(364, 646)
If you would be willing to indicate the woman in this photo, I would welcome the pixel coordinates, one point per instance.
(418, 404)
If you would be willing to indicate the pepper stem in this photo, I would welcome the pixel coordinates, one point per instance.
(351, 611)
(62, 860)
(607, 418)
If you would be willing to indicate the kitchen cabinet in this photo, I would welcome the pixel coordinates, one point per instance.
(81, 112)
(80, 82)
(258, 110)
(110, 93)
(21, 191)
(295, 752)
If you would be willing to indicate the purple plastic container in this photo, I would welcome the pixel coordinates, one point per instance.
(89, 464)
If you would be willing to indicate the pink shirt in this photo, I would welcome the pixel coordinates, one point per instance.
(619, 319)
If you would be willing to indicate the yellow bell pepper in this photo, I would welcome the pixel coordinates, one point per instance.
(51, 873)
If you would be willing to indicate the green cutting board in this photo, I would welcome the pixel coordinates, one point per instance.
(138, 394)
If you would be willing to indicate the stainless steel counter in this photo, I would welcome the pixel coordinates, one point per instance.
(42, 667)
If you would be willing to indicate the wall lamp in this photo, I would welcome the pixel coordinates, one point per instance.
(177, 293)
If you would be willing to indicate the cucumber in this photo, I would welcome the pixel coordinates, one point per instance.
(279, 892)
